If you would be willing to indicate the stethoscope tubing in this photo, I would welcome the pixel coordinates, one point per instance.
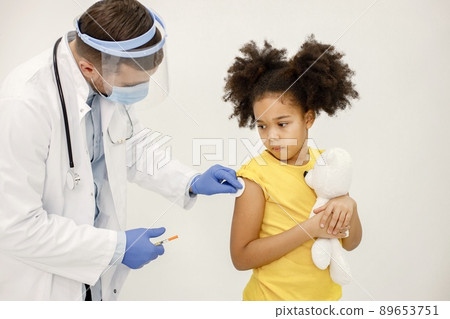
(63, 104)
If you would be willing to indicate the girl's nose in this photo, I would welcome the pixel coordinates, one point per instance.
(273, 135)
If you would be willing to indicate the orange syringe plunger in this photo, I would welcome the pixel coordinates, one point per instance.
(166, 240)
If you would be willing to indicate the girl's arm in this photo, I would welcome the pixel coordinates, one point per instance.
(247, 249)
(355, 232)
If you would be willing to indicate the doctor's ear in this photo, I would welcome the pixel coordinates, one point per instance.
(87, 69)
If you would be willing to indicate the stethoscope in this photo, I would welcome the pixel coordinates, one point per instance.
(72, 178)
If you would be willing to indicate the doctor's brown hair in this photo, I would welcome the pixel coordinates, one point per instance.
(117, 20)
(315, 79)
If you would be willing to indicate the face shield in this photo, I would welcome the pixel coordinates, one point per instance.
(133, 71)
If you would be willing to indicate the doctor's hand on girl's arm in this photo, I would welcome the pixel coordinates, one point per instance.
(247, 249)
(215, 180)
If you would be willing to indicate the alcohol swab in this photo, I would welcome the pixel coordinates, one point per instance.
(239, 192)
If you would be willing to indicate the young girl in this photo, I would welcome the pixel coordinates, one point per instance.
(271, 230)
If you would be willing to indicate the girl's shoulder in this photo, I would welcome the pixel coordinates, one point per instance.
(252, 167)
(255, 169)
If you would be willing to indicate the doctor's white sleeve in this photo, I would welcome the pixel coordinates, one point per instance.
(151, 167)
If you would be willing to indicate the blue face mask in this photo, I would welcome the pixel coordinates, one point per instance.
(129, 94)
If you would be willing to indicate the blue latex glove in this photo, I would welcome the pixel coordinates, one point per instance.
(139, 250)
(216, 180)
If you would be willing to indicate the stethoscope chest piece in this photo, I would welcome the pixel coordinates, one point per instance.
(72, 179)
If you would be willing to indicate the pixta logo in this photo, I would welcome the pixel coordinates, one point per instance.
(213, 149)
(148, 151)
(200, 144)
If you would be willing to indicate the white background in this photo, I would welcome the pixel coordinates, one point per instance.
(397, 133)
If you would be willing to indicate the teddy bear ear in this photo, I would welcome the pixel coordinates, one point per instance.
(321, 159)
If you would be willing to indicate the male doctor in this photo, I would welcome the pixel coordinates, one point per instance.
(68, 139)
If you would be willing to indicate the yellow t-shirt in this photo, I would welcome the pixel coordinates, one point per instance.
(293, 276)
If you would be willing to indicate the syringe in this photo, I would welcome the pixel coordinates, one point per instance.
(165, 240)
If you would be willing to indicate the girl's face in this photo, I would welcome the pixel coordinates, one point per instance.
(283, 127)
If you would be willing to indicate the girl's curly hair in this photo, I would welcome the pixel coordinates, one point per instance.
(316, 79)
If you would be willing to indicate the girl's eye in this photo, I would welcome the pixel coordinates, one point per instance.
(261, 127)
(283, 124)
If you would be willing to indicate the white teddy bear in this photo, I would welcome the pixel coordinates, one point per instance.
(330, 177)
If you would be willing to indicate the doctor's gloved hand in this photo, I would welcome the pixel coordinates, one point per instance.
(139, 250)
(216, 180)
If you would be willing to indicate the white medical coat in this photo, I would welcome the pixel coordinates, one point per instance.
(48, 245)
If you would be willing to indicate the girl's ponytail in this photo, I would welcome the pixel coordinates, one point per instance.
(323, 79)
(244, 75)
